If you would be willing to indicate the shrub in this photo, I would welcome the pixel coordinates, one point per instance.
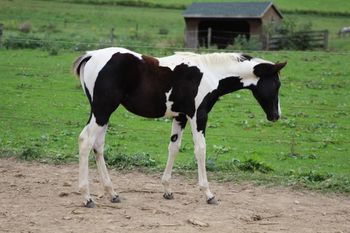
(290, 36)
(253, 165)
(23, 42)
(29, 153)
(163, 31)
(241, 43)
(130, 161)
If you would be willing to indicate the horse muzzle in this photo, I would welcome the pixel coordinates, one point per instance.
(273, 117)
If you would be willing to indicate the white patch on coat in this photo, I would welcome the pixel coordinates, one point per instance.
(168, 112)
(98, 60)
(279, 108)
(249, 81)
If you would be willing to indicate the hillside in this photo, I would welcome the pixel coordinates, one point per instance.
(63, 24)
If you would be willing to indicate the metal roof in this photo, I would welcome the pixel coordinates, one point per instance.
(229, 10)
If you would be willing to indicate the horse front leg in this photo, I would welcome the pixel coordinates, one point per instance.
(101, 166)
(178, 126)
(198, 128)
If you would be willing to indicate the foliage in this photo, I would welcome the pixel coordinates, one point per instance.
(253, 165)
(290, 35)
(241, 43)
(30, 153)
(123, 161)
(313, 176)
(23, 42)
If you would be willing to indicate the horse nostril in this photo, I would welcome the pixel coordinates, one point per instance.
(273, 118)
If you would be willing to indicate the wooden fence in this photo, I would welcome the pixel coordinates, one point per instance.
(303, 40)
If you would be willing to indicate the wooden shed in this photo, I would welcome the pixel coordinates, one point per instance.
(222, 22)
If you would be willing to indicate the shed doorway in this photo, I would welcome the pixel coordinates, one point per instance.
(223, 33)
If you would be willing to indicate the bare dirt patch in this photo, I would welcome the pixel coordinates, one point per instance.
(43, 198)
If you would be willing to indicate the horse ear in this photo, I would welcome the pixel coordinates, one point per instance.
(264, 69)
(267, 69)
(279, 66)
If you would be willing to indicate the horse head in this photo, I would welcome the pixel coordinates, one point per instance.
(267, 89)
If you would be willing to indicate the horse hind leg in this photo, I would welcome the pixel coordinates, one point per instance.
(93, 136)
(87, 139)
(101, 166)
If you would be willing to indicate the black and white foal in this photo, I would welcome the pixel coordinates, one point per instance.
(184, 86)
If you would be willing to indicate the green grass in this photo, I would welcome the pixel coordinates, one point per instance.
(43, 111)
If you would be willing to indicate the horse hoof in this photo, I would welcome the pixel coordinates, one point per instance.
(212, 201)
(90, 204)
(168, 196)
(115, 199)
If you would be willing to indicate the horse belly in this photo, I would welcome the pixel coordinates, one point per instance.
(148, 106)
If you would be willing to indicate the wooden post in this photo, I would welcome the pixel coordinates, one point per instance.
(267, 41)
(112, 36)
(325, 39)
(137, 31)
(209, 38)
(1, 32)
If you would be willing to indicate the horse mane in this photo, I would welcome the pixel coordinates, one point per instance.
(215, 58)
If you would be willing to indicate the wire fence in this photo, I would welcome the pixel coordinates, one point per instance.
(151, 134)
(124, 41)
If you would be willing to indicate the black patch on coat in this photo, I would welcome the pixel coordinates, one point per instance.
(111, 85)
(186, 80)
(182, 120)
(174, 137)
(226, 85)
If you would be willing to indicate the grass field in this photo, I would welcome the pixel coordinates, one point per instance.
(43, 109)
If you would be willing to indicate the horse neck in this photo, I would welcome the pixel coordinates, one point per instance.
(230, 73)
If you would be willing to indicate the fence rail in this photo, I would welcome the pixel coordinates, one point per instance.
(312, 39)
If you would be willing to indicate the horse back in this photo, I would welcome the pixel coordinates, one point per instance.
(147, 89)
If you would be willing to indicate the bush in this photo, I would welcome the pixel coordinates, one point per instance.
(241, 43)
(23, 42)
(123, 161)
(29, 153)
(252, 165)
(290, 36)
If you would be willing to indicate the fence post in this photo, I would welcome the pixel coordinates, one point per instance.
(266, 41)
(325, 39)
(1, 32)
(209, 37)
(112, 36)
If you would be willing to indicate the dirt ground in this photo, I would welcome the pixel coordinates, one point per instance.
(43, 198)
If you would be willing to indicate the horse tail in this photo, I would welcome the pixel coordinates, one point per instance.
(78, 66)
